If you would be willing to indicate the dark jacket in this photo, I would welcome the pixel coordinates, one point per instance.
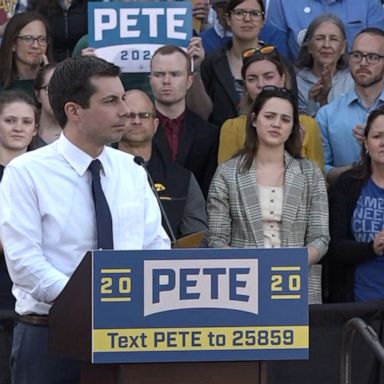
(66, 26)
(198, 145)
(171, 183)
(219, 84)
(180, 196)
(344, 252)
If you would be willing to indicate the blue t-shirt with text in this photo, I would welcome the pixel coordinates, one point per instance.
(367, 221)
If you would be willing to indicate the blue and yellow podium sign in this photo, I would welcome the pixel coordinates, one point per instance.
(199, 305)
(127, 34)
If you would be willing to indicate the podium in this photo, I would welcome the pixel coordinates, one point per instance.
(70, 325)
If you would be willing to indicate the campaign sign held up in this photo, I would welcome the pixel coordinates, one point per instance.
(199, 305)
(127, 34)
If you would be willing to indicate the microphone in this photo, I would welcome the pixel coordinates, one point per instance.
(140, 161)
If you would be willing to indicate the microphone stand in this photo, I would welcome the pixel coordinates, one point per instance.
(140, 161)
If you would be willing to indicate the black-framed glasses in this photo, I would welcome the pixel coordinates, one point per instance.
(239, 14)
(263, 51)
(370, 57)
(140, 115)
(29, 40)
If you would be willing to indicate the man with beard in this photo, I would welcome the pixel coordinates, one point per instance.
(343, 115)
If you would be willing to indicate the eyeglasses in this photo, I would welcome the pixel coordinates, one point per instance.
(371, 58)
(239, 14)
(263, 51)
(140, 115)
(45, 87)
(29, 40)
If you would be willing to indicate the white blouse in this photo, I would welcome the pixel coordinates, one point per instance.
(271, 204)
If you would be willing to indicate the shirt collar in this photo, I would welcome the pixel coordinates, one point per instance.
(381, 97)
(77, 158)
(353, 97)
(164, 119)
(220, 30)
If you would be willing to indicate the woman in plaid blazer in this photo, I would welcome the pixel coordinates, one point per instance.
(267, 196)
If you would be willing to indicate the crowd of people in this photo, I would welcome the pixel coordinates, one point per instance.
(266, 132)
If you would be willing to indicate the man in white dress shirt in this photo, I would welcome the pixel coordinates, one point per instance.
(47, 212)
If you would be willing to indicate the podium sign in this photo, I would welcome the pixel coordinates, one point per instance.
(199, 305)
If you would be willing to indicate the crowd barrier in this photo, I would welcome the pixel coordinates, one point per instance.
(327, 323)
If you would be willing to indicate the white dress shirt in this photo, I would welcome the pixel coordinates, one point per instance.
(48, 221)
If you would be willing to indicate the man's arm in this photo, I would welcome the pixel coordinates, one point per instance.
(22, 238)
(325, 118)
(322, 120)
(198, 100)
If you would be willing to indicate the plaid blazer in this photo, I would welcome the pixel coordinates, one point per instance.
(234, 214)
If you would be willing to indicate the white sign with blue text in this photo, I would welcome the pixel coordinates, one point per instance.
(127, 34)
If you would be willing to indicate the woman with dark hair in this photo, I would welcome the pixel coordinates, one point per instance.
(261, 67)
(221, 70)
(68, 23)
(267, 196)
(355, 257)
(24, 49)
(49, 128)
(323, 64)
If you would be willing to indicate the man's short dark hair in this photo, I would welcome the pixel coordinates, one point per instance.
(166, 50)
(70, 82)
